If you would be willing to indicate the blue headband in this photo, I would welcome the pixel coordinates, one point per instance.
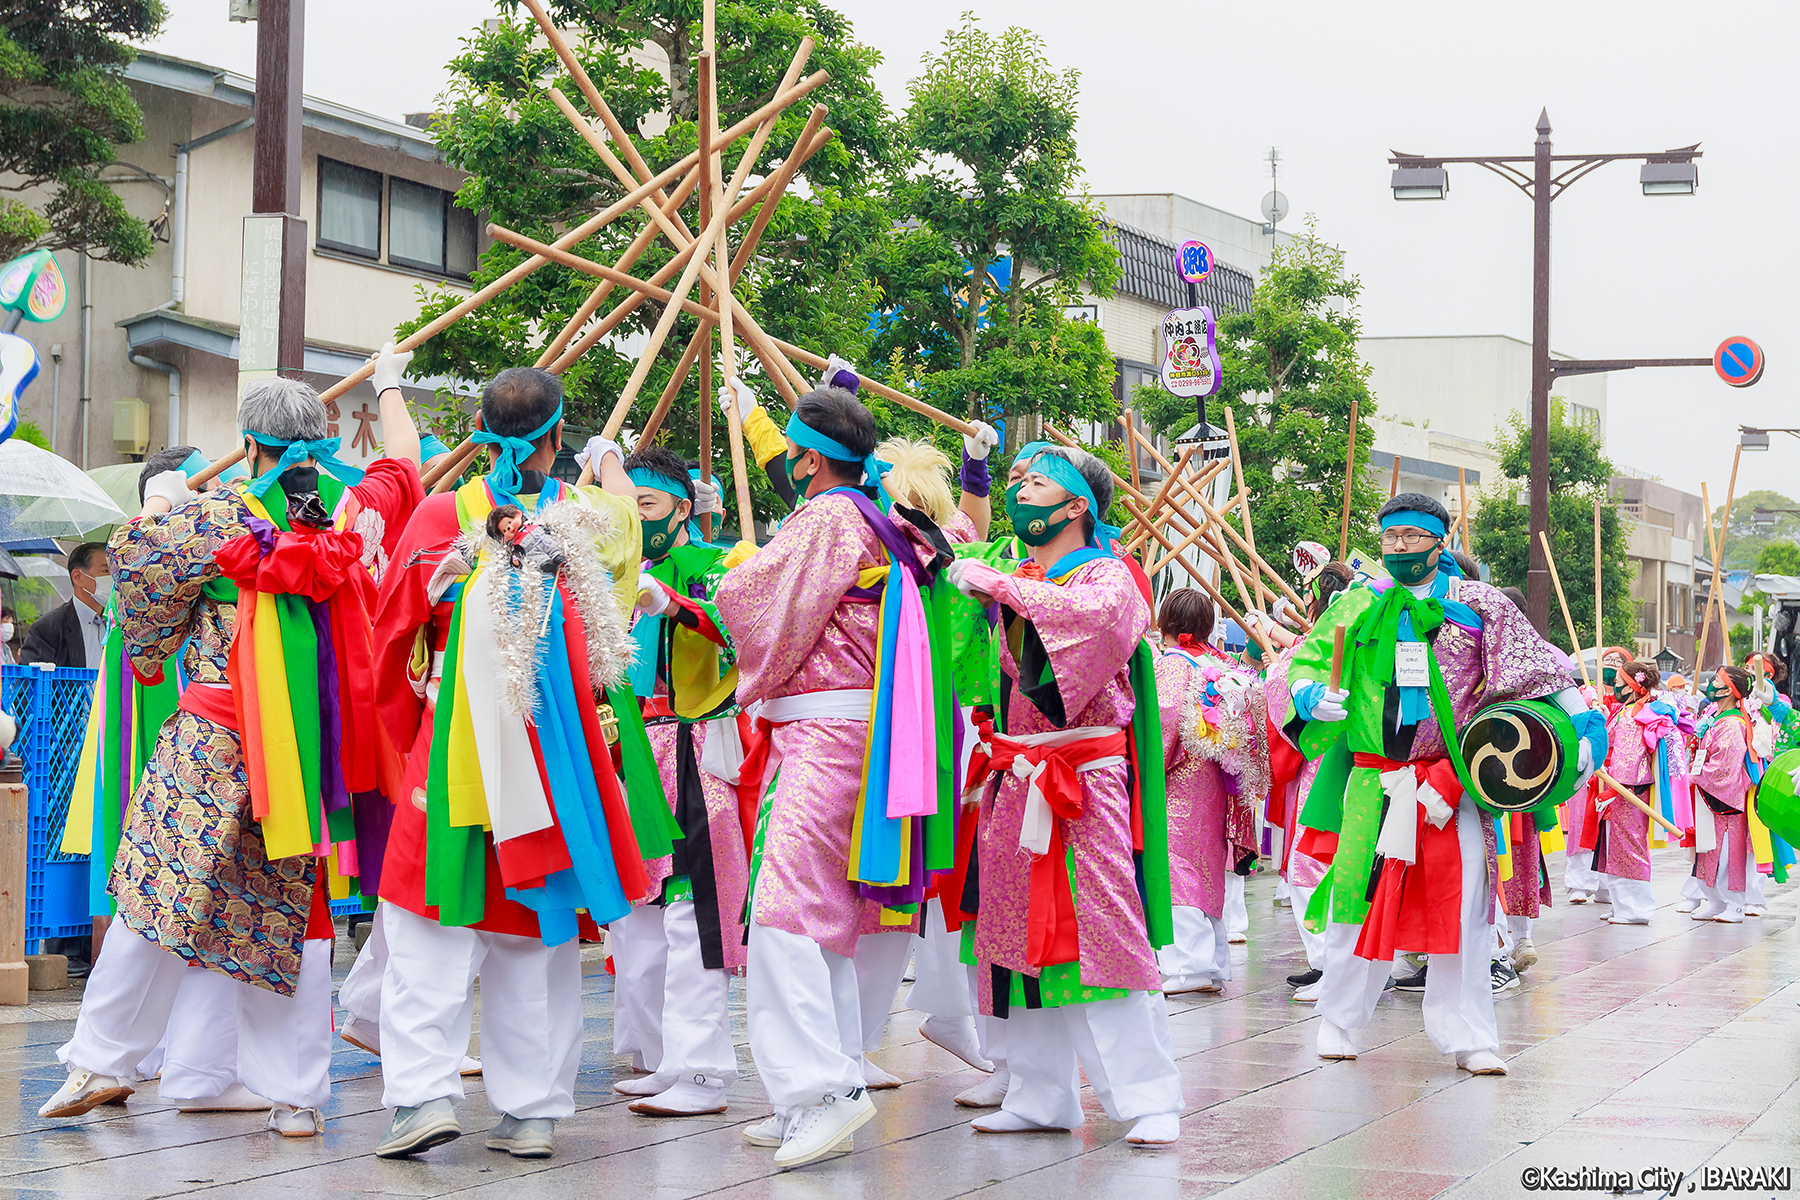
(430, 447)
(808, 438)
(1029, 451)
(1067, 475)
(505, 478)
(656, 480)
(322, 451)
(198, 462)
(1416, 518)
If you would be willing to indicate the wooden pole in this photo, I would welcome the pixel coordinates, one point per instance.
(1462, 505)
(1159, 505)
(704, 131)
(1337, 657)
(1568, 621)
(1718, 572)
(1224, 605)
(701, 341)
(15, 830)
(881, 389)
(727, 356)
(1349, 474)
(1237, 471)
(1712, 552)
(1599, 600)
(1394, 479)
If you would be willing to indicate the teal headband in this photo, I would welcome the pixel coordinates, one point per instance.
(645, 477)
(321, 450)
(1029, 451)
(198, 462)
(505, 478)
(808, 438)
(1067, 475)
(1414, 517)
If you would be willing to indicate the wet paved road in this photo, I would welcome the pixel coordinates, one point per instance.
(1671, 1047)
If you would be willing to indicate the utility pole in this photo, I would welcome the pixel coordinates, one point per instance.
(272, 330)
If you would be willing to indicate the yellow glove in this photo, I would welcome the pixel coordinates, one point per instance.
(741, 552)
(766, 442)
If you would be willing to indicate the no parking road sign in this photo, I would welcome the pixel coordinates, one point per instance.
(1739, 361)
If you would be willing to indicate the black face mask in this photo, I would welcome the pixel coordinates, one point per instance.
(301, 484)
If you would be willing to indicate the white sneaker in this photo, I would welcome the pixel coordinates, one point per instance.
(687, 1098)
(1005, 1122)
(291, 1122)
(1524, 956)
(1334, 1043)
(236, 1098)
(1181, 985)
(989, 1093)
(471, 1066)
(876, 1079)
(767, 1134)
(1309, 994)
(1481, 1062)
(816, 1131)
(362, 1035)
(1159, 1130)
(957, 1035)
(84, 1091)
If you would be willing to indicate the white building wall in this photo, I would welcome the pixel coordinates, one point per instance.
(1237, 240)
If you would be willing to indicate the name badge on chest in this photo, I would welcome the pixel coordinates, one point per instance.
(1410, 666)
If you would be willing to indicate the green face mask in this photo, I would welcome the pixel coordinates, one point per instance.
(1609, 676)
(799, 484)
(660, 534)
(1409, 569)
(1032, 523)
(1623, 694)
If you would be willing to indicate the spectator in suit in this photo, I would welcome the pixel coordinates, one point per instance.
(74, 634)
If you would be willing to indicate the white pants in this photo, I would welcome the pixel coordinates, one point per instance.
(201, 1044)
(1578, 872)
(1512, 930)
(880, 965)
(530, 1016)
(679, 1008)
(1237, 915)
(1753, 894)
(1200, 947)
(940, 980)
(1632, 899)
(1458, 1005)
(1719, 893)
(805, 1019)
(1123, 1044)
(1691, 887)
(283, 1042)
(360, 993)
(1312, 943)
(640, 978)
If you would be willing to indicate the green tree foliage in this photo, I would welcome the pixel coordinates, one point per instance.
(531, 172)
(1579, 474)
(1778, 558)
(994, 174)
(1290, 373)
(1743, 544)
(65, 107)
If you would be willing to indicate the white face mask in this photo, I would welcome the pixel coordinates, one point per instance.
(6, 631)
(103, 589)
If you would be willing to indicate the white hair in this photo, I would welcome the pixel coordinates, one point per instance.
(283, 409)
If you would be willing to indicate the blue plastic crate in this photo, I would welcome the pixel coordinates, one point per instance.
(51, 708)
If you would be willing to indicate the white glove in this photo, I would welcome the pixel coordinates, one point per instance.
(390, 364)
(706, 498)
(171, 486)
(976, 579)
(1765, 691)
(833, 365)
(982, 442)
(1331, 706)
(652, 600)
(746, 399)
(1254, 620)
(597, 448)
(1282, 610)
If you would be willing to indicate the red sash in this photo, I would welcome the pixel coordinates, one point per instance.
(1418, 906)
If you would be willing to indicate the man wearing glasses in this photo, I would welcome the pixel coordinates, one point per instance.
(1411, 859)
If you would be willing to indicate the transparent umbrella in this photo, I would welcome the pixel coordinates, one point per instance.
(44, 495)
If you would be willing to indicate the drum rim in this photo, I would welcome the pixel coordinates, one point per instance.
(1563, 787)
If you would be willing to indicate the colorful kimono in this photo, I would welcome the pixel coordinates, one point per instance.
(1723, 782)
(1480, 651)
(192, 873)
(1214, 737)
(692, 720)
(1059, 855)
(1291, 779)
(511, 818)
(1645, 753)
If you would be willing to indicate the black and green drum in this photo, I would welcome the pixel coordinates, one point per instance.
(1522, 756)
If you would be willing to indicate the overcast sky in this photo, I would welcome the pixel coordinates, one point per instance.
(1183, 97)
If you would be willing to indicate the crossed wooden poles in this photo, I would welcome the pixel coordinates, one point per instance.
(705, 259)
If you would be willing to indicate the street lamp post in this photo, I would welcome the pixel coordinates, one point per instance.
(1665, 173)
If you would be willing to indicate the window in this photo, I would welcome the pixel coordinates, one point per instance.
(349, 209)
(1583, 416)
(426, 231)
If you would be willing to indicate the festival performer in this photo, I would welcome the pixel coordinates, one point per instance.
(509, 818)
(1074, 980)
(267, 773)
(918, 479)
(1583, 882)
(675, 954)
(1421, 652)
(1214, 727)
(1645, 753)
(833, 643)
(1726, 768)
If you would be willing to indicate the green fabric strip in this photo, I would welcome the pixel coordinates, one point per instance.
(652, 819)
(940, 827)
(1153, 795)
(455, 856)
